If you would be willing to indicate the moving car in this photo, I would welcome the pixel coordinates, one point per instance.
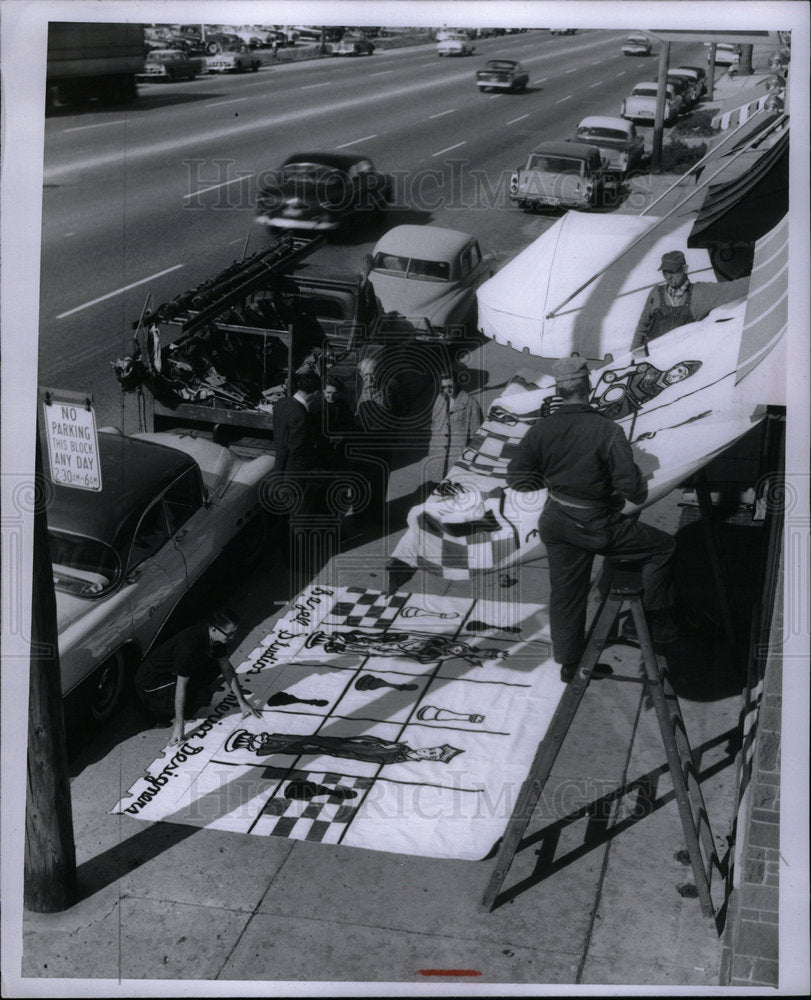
(353, 45)
(430, 275)
(620, 146)
(641, 105)
(236, 59)
(167, 65)
(560, 175)
(125, 556)
(455, 45)
(636, 45)
(502, 74)
(321, 190)
(562, 31)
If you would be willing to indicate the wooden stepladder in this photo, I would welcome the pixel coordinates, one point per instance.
(626, 586)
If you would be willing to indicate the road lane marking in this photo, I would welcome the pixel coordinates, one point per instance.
(356, 141)
(449, 148)
(310, 86)
(118, 291)
(567, 98)
(213, 187)
(542, 80)
(441, 113)
(233, 100)
(519, 119)
(572, 70)
(597, 84)
(621, 73)
(80, 128)
(382, 73)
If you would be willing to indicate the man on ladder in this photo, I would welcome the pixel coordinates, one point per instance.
(586, 463)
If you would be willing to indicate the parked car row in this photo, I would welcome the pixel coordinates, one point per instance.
(685, 87)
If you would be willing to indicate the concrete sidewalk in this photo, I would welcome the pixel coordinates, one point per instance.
(596, 895)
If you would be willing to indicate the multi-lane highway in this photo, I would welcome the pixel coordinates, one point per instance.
(156, 198)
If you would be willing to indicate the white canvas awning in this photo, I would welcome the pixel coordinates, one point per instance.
(600, 319)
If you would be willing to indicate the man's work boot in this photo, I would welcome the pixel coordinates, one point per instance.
(568, 671)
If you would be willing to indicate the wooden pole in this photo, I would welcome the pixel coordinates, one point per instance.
(661, 96)
(50, 854)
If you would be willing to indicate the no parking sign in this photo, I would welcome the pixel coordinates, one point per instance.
(73, 447)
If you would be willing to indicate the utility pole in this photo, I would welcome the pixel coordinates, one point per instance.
(659, 117)
(50, 853)
(745, 65)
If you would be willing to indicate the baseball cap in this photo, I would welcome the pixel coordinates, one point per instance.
(672, 260)
(568, 370)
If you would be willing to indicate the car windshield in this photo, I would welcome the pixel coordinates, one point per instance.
(645, 91)
(556, 164)
(308, 170)
(164, 56)
(86, 567)
(506, 66)
(412, 267)
(593, 132)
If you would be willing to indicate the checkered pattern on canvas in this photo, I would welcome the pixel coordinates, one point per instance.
(323, 817)
(361, 608)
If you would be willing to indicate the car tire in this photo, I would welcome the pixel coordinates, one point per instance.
(213, 48)
(105, 688)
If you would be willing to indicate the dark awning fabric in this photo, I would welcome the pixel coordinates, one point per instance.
(746, 208)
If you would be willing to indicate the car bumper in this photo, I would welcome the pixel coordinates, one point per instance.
(548, 201)
(506, 84)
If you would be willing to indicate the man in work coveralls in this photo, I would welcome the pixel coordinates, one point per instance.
(585, 461)
(678, 300)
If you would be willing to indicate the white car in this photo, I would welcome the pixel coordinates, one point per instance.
(636, 45)
(124, 557)
(726, 54)
(429, 275)
(640, 106)
(455, 45)
(238, 59)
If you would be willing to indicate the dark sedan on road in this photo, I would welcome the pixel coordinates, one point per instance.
(502, 74)
(168, 65)
(321, 190)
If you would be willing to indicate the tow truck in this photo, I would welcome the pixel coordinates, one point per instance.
(214, 359)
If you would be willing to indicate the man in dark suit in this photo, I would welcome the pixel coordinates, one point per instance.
(296, 430)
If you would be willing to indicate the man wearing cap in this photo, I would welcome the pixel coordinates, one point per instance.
(678, 300)
(182, 672)
(586, 464)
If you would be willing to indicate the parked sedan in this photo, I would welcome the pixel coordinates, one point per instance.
(124, 557)
(455, 45)
(560, 175)
(319, 191)
(237, 59)
(353, 45)
(640, 106)
(167, 65)
(430, 275)
(636, 45)
(620, 146)
(726, 54)
(698, 74)
(502, 74)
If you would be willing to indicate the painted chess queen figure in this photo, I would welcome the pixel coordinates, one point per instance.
(422, 648)
(368, 748)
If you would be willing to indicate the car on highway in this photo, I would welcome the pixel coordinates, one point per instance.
(353, 45)
(636, 45)
(560, 175)
(429, 275)
(622, 149)
(563, 31)
(237, 58)
(640, 106)
(455, 45)
(124, 557)
(167, 65)
(502, 74)
(321, 190)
